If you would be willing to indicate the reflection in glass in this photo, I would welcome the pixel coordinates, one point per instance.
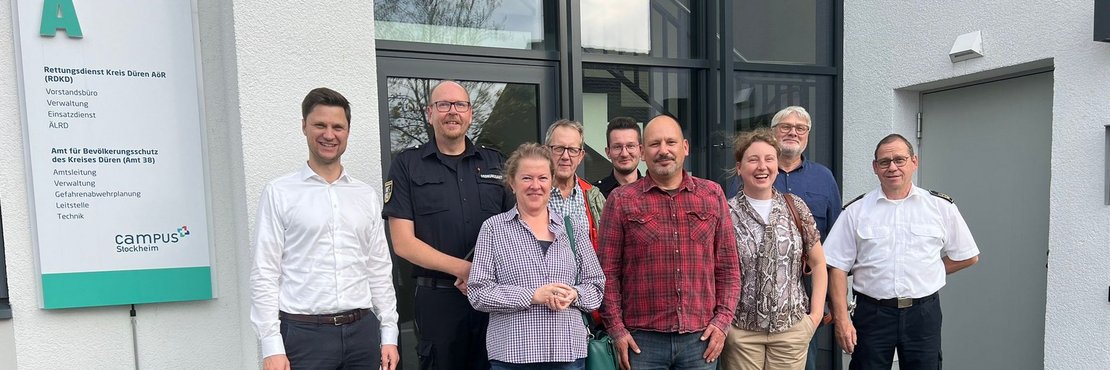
(516, 24)
(756, 99)
(658, 28)
(639, 92)
(783, 31)
(505, 115)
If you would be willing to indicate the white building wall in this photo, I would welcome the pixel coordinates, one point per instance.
(260, 57)
(892, 50)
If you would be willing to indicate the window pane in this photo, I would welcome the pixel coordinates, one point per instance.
(517, 24)
(659, 28)
(505, 114)
(610, 91)
(756, 99)
(783, 31)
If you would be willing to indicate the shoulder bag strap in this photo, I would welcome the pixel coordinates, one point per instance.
(806, 270)
(577, 262)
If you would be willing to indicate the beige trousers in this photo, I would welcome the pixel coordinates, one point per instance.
(759, 350)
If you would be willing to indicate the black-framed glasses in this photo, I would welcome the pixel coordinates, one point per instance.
(445, 106)
(559, 150)
(617, 148)
(898, 162)
(786, 127)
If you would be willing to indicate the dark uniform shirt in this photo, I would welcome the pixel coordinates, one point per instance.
(607, 184)
(447, 198)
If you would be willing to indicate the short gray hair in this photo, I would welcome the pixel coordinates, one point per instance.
(577, 126)
(786, 112)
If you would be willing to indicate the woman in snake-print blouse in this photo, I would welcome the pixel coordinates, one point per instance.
(775, 319)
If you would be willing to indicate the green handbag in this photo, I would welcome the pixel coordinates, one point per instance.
(599, 346)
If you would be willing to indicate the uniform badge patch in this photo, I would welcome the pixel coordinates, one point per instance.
(492, 176)
(388, 190)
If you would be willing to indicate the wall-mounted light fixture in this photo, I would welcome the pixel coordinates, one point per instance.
(967, 46)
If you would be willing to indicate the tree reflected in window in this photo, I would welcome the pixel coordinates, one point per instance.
(504, 114)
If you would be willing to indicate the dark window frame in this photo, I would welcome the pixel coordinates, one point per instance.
(5, 303)
(713, 71)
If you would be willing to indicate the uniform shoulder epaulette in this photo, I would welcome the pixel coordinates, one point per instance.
(942, 196)
(852, 201)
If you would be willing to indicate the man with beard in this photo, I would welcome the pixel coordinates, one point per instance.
(436, 198)
(811, 181)
(668, 250)
(622, 146)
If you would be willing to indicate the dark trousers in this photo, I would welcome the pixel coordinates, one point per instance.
(452, 335)
(913, 331)
(579, 364)
(325, 346)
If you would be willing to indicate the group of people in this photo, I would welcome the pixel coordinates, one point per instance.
(517, 260)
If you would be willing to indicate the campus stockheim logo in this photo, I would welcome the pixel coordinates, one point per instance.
(126, 243)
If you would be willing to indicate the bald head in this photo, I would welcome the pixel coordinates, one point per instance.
(665, 149)
(449, 121)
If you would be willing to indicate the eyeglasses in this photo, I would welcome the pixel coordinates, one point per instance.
(898, 161)
(786, 127)
(617, 148)
(445, 106)
(559, 149)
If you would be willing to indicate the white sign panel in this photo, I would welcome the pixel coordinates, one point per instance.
(115, 149)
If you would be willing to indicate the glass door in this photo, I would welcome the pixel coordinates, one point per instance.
(512, 104)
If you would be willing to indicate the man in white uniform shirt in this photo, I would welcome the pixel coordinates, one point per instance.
(899, 241)
(321, 285)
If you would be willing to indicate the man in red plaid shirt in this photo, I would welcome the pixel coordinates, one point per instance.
(668, 250)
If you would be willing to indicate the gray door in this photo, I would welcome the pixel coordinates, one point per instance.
(988, 146)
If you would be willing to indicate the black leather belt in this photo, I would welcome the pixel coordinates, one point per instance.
(336, 319)
(898, 302)
(428, 282)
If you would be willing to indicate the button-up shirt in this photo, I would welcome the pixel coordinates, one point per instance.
(670, 260)
(816, 185)
(573, 205)
(509, 265)
(772, 297)
(894, 247)
(319, 248)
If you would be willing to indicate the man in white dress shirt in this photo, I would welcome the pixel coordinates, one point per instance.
(899, 241)
(321, 285)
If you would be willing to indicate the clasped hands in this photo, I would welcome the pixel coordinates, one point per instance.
(556, 296)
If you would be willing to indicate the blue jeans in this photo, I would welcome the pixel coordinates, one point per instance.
(580, 364)
(666, 351)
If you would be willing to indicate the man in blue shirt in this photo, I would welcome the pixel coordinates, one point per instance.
(809, 180)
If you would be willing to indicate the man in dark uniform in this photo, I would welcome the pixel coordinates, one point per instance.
(622, 146)
(436, 198)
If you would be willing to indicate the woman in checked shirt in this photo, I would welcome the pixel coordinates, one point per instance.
(529, 278)
(773, 323)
